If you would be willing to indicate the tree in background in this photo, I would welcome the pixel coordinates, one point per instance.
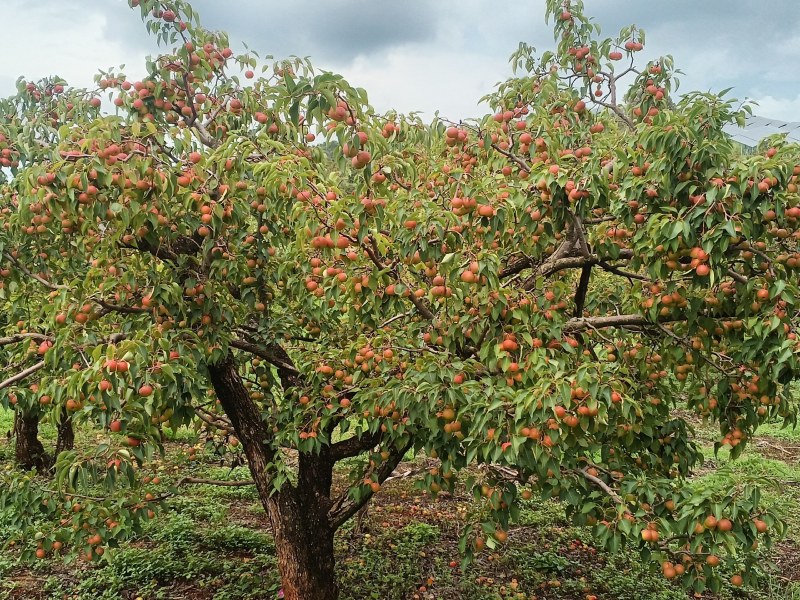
(536, 291)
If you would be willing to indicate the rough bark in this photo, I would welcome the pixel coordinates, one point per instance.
(29, 452)
(301, 528)
(66, 434)
(583, 287)
(304, 544)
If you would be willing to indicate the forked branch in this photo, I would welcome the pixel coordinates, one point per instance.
(345, 506)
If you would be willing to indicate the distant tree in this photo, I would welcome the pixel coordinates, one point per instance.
(536, 291)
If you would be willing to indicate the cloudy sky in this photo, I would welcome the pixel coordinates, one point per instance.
(424, 54)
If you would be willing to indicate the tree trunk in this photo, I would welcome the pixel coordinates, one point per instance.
(304, 544)
(29, 451)
(66, 434)
(299, 516)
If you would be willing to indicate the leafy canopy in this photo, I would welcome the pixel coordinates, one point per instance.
(537, 290)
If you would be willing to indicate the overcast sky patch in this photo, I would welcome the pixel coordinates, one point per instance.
(423, 55)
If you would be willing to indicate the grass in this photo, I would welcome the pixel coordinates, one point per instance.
(6, 420)
(215, 543)
(778, 430)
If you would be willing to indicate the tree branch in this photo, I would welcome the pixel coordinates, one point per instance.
(345, 507)
(520, 163)
(125, 310)
(275, 355)
(354, 446)
(737, 277)
(616, 110)
(517, 477)
(599, 483)
(204, 135)
(245, 416)
(19, 337)
(583, 287)
(517, 266)
(213, 420)
(552, 266)
(703, 357)
(617, 271)
(397, 317)
(187, 480)
(32, 275)
(21, 375)
(572, 253)
(581, 323)
(182, 245)
(372, 251)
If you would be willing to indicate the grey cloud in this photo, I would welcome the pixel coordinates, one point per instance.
(749, 44)
(735, 35)
(334, 32)
(745, 44)
(737, 21)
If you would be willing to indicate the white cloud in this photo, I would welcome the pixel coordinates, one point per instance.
(781, 108)
(44, 38)
(456, 58)
(425, 78)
